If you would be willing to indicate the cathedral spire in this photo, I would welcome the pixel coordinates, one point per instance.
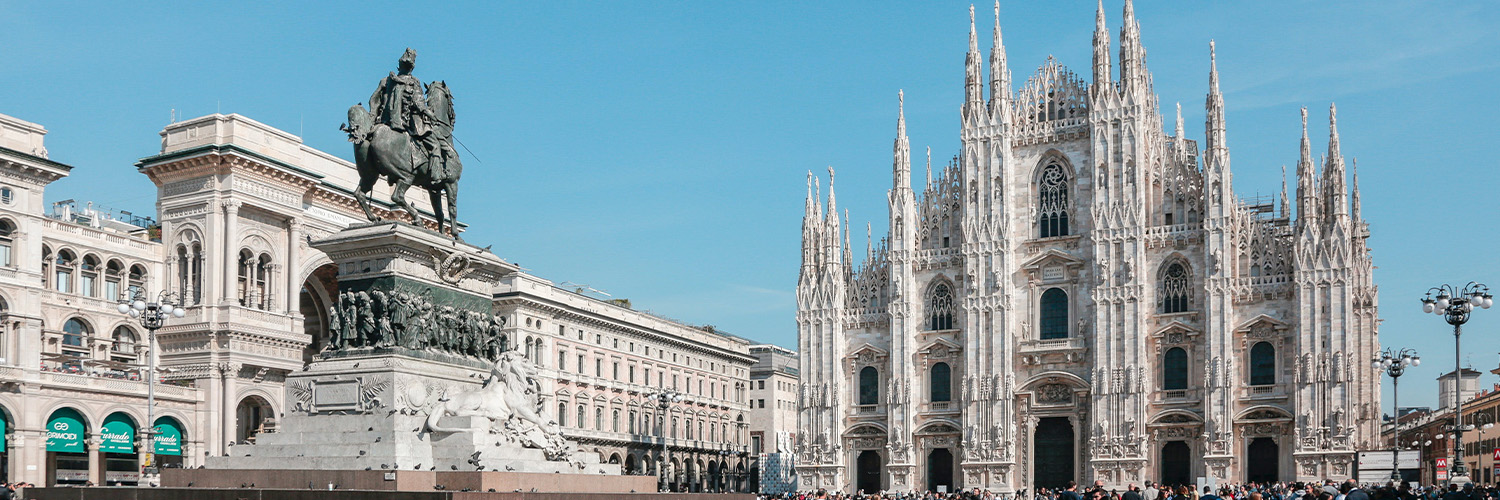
(869, 243)
(1354, 209)
(1102, 80)
(1307, 188)
(1179, 122)
(999, 70)
(901, 151)
(1285, 211)
(1333, 169)
(1132, 55)
(974, 90)
(1213, 127)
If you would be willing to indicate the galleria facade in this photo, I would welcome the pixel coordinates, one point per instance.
(1079, 295)
(238, 202)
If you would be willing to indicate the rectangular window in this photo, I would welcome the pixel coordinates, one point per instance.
(5, 254)
(616, 371)
(755, 444)
(762, 384)
(580, 364)
(674, 382)
(647, 374)
(762, 403)
(632, 374)
(64, 281)
(562, 360)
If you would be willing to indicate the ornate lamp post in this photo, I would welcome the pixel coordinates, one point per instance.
(1454, 305)
(152, 316)
(1394, 363)
(664, 400)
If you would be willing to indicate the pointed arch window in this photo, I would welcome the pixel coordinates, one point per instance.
(940, 307)
(1053, 208)
(1262, 364)
(869, 386)
(941, 381)
(1174, 289)
(1054, 314)
(1174, 370)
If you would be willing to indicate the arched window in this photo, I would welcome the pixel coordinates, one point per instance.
(114, 272)
(123, 348)
(582, 416)
(1174, 289)
(869, 386)
(614, 421)
(1054, 314)
(47, 281)
(1174, 370)
(64, 275)
(7, 238)
(940, 308)
(562, 414)
(75, 331)
(190, 272)
(599, 418)
(89, 277)
(124, 341)
(136, 287)
(941, 382)
(1053, 208)
(246, 269)
(1262, 364)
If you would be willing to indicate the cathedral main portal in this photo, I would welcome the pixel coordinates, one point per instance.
(1054, 454)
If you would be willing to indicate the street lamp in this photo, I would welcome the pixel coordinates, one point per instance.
(152, 316)
(1454, 305)
(1394, 363)
(664, 400)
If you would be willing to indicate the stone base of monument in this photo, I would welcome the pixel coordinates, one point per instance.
(410, 481)
(417, 376)
(353, 412)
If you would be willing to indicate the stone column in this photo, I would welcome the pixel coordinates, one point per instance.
(293, 264)
(231, 250)
(96, 460)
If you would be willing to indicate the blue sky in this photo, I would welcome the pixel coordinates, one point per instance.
(658, 151)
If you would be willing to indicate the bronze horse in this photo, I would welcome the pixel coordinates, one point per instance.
(382, 152)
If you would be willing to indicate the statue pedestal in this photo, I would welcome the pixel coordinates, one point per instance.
(412, 332)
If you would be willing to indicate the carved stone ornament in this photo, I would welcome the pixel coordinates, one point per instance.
(452, 267)
(1054, 394)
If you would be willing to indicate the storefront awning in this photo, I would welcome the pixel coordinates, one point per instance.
(118, 434)
(168, 436)
(65, 431)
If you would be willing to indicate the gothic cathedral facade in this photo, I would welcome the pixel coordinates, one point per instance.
(1079, 295)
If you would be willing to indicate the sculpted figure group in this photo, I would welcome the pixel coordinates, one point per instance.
(399, 318)
(511, 399)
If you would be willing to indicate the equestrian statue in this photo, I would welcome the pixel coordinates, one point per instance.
(407, 137)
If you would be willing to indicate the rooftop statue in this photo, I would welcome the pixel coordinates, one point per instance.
(407, 137)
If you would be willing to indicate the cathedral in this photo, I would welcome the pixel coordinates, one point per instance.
(1079, 295)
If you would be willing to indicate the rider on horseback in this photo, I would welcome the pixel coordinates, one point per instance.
(399, 103)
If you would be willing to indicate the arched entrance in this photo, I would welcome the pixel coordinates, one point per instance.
(313, 301)
(117, 440)
(1261, 464)
(67, 455)
(630, 465)
(250, 418)
(940, 470)
(868, 468)
(1176, 463)
(1054, 451)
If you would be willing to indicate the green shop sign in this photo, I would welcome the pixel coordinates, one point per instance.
(117, 435)
(168, 437)
(65, 432)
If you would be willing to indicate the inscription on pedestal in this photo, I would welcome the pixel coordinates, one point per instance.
(337, 395)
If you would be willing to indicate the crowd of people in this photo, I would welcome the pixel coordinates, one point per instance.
(1325, 490)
